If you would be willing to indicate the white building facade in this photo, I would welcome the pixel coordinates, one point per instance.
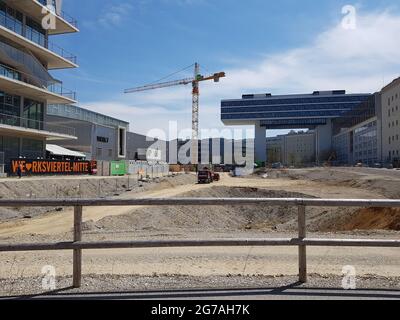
(391, 122)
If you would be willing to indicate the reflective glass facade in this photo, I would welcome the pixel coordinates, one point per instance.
(24, 128)
(359, 114)
(14, 20)
(358, 144)
(77, 113)
(291, 110)
(365, 139)
(342, 146)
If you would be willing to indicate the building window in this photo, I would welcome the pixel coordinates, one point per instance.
(121, 142)
(102, 139)
(33, 114)
(35, 32)
(32, 149)
(11, 18)
(10, 109)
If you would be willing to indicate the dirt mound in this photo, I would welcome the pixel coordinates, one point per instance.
(85, 187)
(385, 183)
(212, 218)
(372, 219)
(248, 217)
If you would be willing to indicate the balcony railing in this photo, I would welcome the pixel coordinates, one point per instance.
(53, 87)
(27, 123)
(72, 21)
(35, 36)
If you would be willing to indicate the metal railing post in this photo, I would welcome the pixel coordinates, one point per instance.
(302, 248)
(77, 259)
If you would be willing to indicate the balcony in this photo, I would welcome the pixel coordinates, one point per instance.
(47, 51)
(64, 23)
(34, 128)
(19, 83)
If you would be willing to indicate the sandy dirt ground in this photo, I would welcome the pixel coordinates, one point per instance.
(204, 262)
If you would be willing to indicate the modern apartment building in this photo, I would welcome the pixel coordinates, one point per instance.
(27, 55)
(391, 122)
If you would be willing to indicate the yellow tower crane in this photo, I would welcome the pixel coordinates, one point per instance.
(195, 100)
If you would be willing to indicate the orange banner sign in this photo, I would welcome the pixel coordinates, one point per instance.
(36, 167)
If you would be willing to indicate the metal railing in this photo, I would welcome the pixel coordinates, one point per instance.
(27, 123)
(35, 36)
(53, 87)
(77, 245)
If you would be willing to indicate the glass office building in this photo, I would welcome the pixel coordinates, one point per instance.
(359, 144)
(302, 111)
(357, 134)
(290, 111)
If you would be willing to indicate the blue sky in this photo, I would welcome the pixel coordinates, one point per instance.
(285, 46)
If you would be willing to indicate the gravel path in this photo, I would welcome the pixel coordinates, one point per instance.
(134, 283)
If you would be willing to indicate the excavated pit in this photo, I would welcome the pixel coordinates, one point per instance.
(248, 217)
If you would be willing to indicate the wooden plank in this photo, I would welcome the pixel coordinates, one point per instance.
(302, 248)
(77, 253)
(98, 245)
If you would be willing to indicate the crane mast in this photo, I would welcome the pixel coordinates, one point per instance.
(195, 116)
(195, 81)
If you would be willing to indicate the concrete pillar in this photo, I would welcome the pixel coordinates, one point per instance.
(323, 136)
(260, 143)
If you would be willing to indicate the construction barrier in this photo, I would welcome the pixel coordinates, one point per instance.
(103, 168)
(117, 168)
(145, 170)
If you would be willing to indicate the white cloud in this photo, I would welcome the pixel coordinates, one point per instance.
(113, 15)
(360, 60)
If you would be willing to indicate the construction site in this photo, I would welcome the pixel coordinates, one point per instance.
(88, 205)
(169, 268)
